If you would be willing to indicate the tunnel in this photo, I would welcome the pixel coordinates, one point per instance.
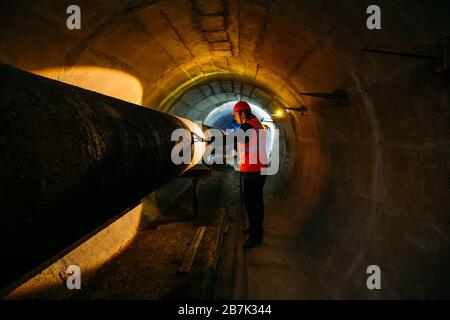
(363, 117)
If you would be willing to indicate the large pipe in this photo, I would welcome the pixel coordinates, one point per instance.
(70, 161)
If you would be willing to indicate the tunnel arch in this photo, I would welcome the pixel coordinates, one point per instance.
(201, 101)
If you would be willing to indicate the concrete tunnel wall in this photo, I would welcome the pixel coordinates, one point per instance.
(369, 182)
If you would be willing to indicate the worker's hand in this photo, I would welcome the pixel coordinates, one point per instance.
(228, 158)
(231, 154)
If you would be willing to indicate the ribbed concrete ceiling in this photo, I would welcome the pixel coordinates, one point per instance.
(289, 46)
(198, 102)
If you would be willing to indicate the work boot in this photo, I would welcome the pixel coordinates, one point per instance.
(251, 242)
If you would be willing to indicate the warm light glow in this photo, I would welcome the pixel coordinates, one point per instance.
(199, 146)
(177, 92)
(110, 82)
(90, 256)
(279, 113)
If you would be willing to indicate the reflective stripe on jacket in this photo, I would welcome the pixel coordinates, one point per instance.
(252, 156)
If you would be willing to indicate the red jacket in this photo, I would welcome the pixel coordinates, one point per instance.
(252, 156)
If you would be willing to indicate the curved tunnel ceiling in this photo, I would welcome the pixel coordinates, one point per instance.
(197, 103)
(223, 117)
(340, 187)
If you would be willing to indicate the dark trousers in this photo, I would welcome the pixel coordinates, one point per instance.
(253, 184)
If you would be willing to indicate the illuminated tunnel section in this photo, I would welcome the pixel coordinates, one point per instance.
(360, 184)
(212, 104)
(222, 118)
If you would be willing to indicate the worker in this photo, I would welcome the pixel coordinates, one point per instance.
(251, 159)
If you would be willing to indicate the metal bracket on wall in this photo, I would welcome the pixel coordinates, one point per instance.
(439, 53)
(340, 97)
(444, 63)
(302, 109)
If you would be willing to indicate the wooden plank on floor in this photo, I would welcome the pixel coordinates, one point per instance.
(212, 265)
(192, 251)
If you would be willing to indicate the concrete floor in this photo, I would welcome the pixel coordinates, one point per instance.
(147, 269)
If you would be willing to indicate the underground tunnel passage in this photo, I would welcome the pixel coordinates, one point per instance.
(87, 179)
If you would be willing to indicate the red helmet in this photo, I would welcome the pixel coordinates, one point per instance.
(241, 106)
